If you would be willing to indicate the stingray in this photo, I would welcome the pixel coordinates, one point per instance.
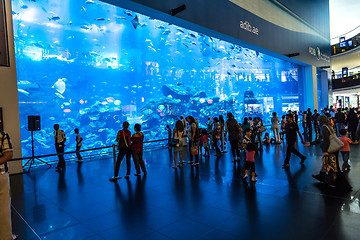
(135, 22)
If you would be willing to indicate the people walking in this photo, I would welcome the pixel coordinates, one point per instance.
(291, 131)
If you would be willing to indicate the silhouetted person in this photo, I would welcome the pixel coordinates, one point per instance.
(78, 144)
(60, 139)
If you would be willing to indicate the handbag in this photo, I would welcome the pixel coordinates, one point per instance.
(262, 128)
(174, 142)
(194, 150)
(335, 143)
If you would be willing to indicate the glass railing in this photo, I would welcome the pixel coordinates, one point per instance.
(348, 35)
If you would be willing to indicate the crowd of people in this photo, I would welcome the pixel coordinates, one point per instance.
(244, 139)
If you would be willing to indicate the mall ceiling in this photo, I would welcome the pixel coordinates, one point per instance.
(344, 17)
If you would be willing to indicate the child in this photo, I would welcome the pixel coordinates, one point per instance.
(204, 140)
(78, 144)
(137, 150)
(345, 151)
(266, 139)
(250, 161)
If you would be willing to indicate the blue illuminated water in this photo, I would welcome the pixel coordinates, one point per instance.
(90, 65)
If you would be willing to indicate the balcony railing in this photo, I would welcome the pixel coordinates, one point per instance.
(346, 82)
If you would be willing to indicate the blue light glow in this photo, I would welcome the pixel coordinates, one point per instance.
(90, 65)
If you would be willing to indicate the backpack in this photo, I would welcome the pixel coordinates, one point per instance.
(122, 143)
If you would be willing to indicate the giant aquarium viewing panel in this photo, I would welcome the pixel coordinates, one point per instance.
(91, 65)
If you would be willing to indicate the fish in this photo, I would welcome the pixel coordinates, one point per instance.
(128, 13)
(192, 35)
(26, 93)
(59, 95)
(24, 7)
(160, 27)
(60, 85)
(85, 27)
(54, 18)
(83, 8)
(89, 2)
(26, 85)
(151, 48)
(99, 19)
(135, 22)
(180, 30)
(39, 45)
(132, 91)
(166, 32)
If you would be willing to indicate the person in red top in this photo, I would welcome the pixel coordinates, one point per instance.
(250, 161)
(345, 151)
(137, 150)
(124, 143)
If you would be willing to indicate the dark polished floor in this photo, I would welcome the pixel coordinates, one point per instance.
(208, 202)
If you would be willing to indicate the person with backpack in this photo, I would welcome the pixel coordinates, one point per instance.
(193, 136)
(124, 143)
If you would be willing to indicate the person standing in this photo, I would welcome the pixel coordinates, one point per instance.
(232, 126)
(275, 127)
(60, 139)
(137, 150)
(309, 120)
(291, 131)
(339, 120)
(304, 122)
(177, 134)
(193, 139)
(124, 143)
(222, 125)
(216, 136)
(316, 124)
(6, 154)
(352, 121)
(78, 144)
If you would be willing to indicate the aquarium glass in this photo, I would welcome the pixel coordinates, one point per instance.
(92, 66)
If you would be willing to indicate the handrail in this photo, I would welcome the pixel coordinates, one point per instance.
(71, 152)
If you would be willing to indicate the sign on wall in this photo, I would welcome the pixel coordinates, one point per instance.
(4, 53)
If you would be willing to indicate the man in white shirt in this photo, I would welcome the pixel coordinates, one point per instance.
(6, 154)
(60, 139)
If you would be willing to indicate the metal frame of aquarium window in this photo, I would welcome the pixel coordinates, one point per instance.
(6, 42)
(113, 151)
